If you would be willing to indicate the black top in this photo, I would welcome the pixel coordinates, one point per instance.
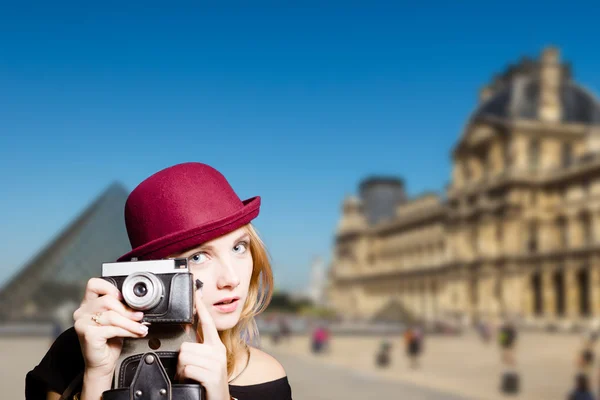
(64, 362)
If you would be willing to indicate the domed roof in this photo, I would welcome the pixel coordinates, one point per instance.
(516, 93)
(521, 96)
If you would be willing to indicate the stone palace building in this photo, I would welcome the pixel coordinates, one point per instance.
(517, 231)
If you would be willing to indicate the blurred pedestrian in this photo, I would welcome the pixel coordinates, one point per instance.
(582, 389)
(485, 332)
(320, 339)
(284, 328)
(586, 356)
(507, 338)
(413, 339)
(383, 356)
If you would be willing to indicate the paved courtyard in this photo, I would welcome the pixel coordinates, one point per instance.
(312, 380)
(462, 366)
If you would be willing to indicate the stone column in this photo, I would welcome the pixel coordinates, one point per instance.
(411, 299)
(595, 287)
(513, 293)
(527, 299)
(575, 231)
(572, 292)
(404, 296)
(426, 293)
(435, 296)
(546, 235)
(596, 227)
(548, 297)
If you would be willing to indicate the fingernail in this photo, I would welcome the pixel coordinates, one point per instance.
(143, 329)
(199, 286)
(138, 315)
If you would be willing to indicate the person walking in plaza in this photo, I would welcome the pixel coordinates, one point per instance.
(582, 389)
(413, 340)
(185, 211)
(507, 338)
(320, 339)
(383, 357)
(586, 356)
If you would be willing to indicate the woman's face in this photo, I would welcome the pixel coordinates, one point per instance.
(224, 265)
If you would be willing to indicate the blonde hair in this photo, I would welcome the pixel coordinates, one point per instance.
(260, 292)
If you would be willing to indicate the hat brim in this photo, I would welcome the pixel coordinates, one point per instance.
(184, 240)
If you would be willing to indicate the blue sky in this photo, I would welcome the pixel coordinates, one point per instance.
(296, 103)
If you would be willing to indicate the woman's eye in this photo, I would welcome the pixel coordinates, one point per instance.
(240, 248)
(198, 258)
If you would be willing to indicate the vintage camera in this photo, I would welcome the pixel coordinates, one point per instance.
(162, 289)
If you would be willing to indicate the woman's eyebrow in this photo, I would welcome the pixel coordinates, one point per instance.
(209, 247)
(243, 236)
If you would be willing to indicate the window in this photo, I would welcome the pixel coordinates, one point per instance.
(499, 236)
(532, 239)
(506, 154)
(585, 187)
(586, 226)
(474, 240)
(563, 234)
(534, 154)
(567, 155)
(466, 171)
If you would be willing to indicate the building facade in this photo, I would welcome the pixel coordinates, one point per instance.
(517, 231)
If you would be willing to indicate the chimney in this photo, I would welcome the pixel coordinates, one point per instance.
(549, 108)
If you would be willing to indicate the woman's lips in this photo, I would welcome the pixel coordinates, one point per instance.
(227, 308)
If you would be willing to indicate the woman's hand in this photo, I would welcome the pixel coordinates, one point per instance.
(205, 362)
(101, 321)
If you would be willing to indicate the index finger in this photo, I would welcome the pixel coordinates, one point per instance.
(209, 330)
(97, 287)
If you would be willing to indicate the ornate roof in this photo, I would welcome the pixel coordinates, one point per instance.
(520, 99)
(516, 93)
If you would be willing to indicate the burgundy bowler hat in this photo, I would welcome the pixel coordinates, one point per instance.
(182, 207)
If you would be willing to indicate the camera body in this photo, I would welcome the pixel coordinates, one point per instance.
(162, 289)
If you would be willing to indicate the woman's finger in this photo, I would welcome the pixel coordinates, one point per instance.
(92, 333)
(97, 287)
(106, 303)
(109, 332)
(196, 373)
(192, 357)
(204, 363)
(209, 330)
(113, 318)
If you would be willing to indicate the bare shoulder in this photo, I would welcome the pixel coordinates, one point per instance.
(262, 367)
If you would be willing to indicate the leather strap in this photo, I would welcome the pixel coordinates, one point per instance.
(73, 388)
(178, 391)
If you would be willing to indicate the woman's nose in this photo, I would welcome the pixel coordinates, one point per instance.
(228, 276)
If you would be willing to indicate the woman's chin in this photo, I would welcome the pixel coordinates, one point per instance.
(226, 322)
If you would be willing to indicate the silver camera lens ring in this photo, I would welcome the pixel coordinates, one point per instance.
(154, 290)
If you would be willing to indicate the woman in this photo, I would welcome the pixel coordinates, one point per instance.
(185, 211)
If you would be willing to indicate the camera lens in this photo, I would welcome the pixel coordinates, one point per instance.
(140, 289)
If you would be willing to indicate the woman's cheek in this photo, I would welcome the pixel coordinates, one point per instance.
(246, 274)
